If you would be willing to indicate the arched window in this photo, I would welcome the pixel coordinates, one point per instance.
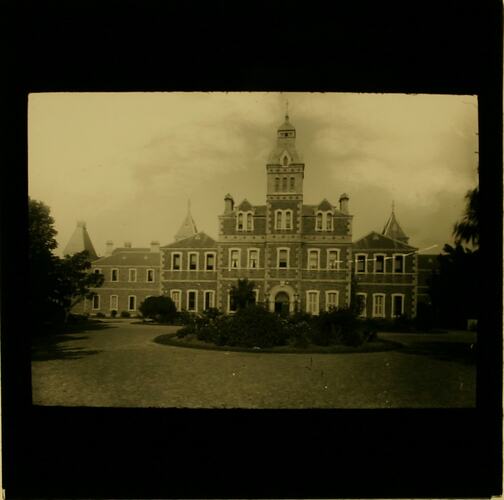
(249, 222)
(328, 225)
(284, 184)
(240, 221)
(277, 184)
(278, 219)
(319, 221)
(288, 219)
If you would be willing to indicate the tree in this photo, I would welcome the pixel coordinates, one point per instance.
(453, 286)
(55, 284)
(242, 294)
(160, 308)
(467, 230)
(74, 280)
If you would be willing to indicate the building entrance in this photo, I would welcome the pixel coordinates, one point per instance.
(282, 303)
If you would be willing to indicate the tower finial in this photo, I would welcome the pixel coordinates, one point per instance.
(393, 206)
(188, 205)
(286, 109)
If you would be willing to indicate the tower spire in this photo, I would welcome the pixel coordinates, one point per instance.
(287, 110)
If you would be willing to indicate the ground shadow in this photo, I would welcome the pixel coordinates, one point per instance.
(51, 345)
(459, 352)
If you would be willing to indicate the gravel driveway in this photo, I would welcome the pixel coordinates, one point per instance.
(120, 365)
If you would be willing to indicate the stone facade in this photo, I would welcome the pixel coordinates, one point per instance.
(300, 257)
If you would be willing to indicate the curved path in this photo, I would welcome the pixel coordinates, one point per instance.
(120, 365)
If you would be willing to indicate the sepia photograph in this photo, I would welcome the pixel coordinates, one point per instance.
(253, 250)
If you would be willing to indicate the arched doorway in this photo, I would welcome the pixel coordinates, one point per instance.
(282, 303)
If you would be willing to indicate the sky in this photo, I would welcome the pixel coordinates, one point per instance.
(127, 163)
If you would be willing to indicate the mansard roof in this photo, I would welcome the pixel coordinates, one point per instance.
(80, 241)
(130, 257)
(375, 240)
(199, 240)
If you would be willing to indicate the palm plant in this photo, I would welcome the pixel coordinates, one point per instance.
(242, 294)
(467, 229)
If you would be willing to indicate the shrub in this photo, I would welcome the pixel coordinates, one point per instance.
(298, 333)
(125, 314)
(338, 326)
(113, 313)
(160, 308)
(100, 315)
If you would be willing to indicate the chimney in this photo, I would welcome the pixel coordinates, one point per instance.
(109, 248)
(127, 244)
(343, 203)
(228, 204)
(154, 246)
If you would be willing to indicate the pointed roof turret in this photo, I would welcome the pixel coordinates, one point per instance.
(393, 230)
(80, 241)
(188, 227)
(286, 143)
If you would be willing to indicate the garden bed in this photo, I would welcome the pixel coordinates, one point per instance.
(191, 341)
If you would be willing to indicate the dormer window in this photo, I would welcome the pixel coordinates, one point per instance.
(245, 221)
(324, 221)
(285, 161)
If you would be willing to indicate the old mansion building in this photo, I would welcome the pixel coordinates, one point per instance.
(299, 257)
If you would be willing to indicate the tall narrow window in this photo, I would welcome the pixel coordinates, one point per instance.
(283, 256)
(278, 219)
(253, 259)
(288, 219)
(328, 221)
(193, 261)
(319, 222)
(208, 299)
(398, 263)
(234, 258)
(175, 296)
(379, 263)
(285, 160)
(150, 275)
(132, 275)
(312, 302)
(313, 259)
(231, 302)
(191, 300)
(333, 259)
(114, 302)
(114, 275)
(331, 300)
(397, 305)
(277, 184)
(249, 222)
(360, 264)
(131, 303)
(176, 258)
(361, 300)
(96, 302)
(292, 183)
(240, 221)
(379, 305)
(284, 184)
(210, 262)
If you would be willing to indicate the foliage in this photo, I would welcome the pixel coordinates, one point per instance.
(56, 284)
(242, 294)
(338, 326)
(160, 308)
(125, 314)
(467, 230)
(113, 313)
(100, 315)
(453, 285)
